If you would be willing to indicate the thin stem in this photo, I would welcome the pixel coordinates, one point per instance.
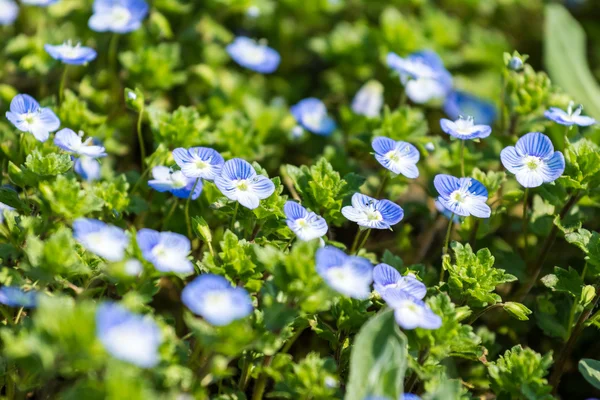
(170, 213)
(187, 209)
(292, 340)
(363, 241)
(502, 103)
(462, 158)
(244, 373)
(141, 137)
(18, 318)
(382, 186)
(448, 232)
(355, 243)
(233, 217)
(61, 88)
(261, 382)
(113, 47)
(475, 317)
(525, 221)
(575, 303)
(137, 184)
(473, 237)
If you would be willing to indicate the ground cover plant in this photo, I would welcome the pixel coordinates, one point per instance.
(239, 199)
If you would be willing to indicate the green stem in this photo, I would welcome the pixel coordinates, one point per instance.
(292, 340)
(170, 213)
(113, 47)
(363, 241)
(575, 303)
(382, 185)
(233, 217)
(261, 382)
(244, 373)
(475, 317)
(139, 181)
(187, 209)
(525, 222)
(462, 158)
(448, 231)
(140, 136)
(61, 88)
(355, 242)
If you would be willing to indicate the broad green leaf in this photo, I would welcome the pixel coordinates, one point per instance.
(590, 369)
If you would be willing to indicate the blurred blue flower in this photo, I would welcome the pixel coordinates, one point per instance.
(569, 117)
(13, 296)
(133, 267)
(88, 168)
(199, 162)
(533, 160)
(409, 312)
(104, 240)
(423, 75)
(167, 251)
(40, 3)
(368, 100)
(460, 103)
(464, 196)
(349, 275)
(240, 182)
(253, 55)
(465, 129)
(71, 54)
(515, 63)
(445, 212)
(311, 114)
(129, 337)
(2, 208)
(385, 277)
(213, 298)
(27, 116)
(306, 225)
(399, 157)
(118, 16)
(372, 213)
(167, 180)
(69, 141)
(9, 11)
(409, 396)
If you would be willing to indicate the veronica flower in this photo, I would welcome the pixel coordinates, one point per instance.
(40, 3)
(13, 296)
(311, 114)
(252, 55)
(107, 241)
(464, 196)
(368, 100)
(423, 75)
(199, 162)
(445, 212)
(213, 298)
(167, 251)
(9, 10)
(465, 129)
(371, 213)
(27, 116)
(385, 277)
(533, 160)
(167, 180)
(460, 103)
(88, 168)
(128, 337)
(409, 312)
(409, 396)
(118, 16)
(515, 63)
(71, 142)
(69, 54)
(305, 224)
(349, 275)
(399, 157)
(240, 182)
(569, 117)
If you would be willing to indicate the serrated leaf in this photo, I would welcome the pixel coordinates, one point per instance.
(590, 369)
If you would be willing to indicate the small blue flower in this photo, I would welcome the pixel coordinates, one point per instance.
(133, 267)
(372, 213)
(27, 116)
(409, 396)
(9, 11)
(107, 241)
(88, 168)
(13, 296)
(464, 196)
(167, 251)
(515, 63)
(533, 160)
(213, 298)
(118, 16)
(69, 141)
(385, 277)
(409, 312)
(423, 75)
(569, 117)
(460, 103)
(199, 162)
(2, 208)
(252, 55)
(69, 54)
(240, 182)
(167, 180)
(368, 100)
(311, 114)
(349, 275)
(399, 157)
(465, 129)
(128, 337)
(445, 212)
(39, 3)
(306, 225)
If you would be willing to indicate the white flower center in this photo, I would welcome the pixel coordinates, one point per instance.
(464, 125)
(457, 196)
(29, 117)
(374, 215)
(254, 54)
(178, 179)
(200, 164)
(217, 300)
(393, 155)
(242, 185)
(120, 16)
(302, 223)
(532, 162)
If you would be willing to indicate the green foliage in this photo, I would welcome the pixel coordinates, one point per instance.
(590, 369)
(66, 198)
(312, 377)
(154, 67)
(184, 127)
(48, 165)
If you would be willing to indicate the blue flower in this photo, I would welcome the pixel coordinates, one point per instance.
(213, 298)
(27, 116)
(118, 16)
(167, 251)
(399, 157)
(2, 208)
(515, 63)
(423, 74)
(349, 275)
(409, 312)
(464, 196)
(533, 160)
(107, 241)
(385, 277)
(133, 267)
(69, 54)
(69, 141)
(569, 117)
(306, 225)
(368, 100)
(128, 337)
(13, 296)
(409, 396)
(371, 213)
(460, 103)
(465, 129)
(9, 10)
(252, 55)
(199, 162)
(445, 212)
(40, 3)
(240, 182)
(167, 180)
(88, 168)
(311, 114)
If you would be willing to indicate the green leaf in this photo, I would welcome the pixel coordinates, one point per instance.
(517, 310)
(202, 229)
(590, 369)
(48, 165)
(11, 198)
(567, 281)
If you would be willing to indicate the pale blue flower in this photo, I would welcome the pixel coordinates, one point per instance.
(409, 396)
(305, 224)
(167, 251)
(464, 196)
(409, 312)
(104, 240)
(569, 117)
(399, 157)
(368, 100)
(27, 116)
(460, 103)
(240, 182)
(129, 337)
(311, 114)
(515, 63)
(465, 129)
(39, 3)
(9, 11)
(133, 267)
(88, 168)
(199, 162)
(348, 275)
(445, 212)
(72, 142)
(71, 54)
(118, 16)
(372, 213)
(385, 277)
(167, 180)
(2, 208)
(253, 55)
(13, 296)
(533, 160)
(213, 298)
